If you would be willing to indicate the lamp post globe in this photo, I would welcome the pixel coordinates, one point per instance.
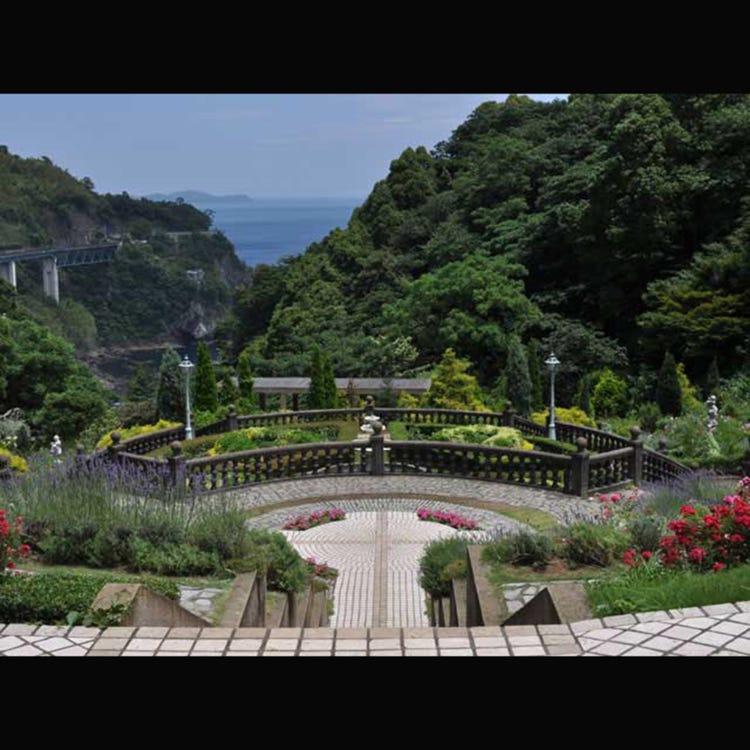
(552, 362)
(186, 365)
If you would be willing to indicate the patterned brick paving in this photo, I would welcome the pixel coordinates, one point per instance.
(701, 632)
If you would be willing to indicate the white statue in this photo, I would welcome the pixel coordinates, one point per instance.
(713, 413)
(55, 448)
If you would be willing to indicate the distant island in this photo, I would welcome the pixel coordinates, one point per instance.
(196, 197)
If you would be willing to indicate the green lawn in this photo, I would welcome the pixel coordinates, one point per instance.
(644, 590)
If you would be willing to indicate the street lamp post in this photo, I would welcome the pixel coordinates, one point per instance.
(552, 362)
(186, 366)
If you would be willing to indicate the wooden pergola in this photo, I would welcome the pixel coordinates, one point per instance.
(284, 387)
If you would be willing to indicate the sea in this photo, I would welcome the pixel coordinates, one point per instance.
(264, 230)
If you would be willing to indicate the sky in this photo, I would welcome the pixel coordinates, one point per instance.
(263, 145)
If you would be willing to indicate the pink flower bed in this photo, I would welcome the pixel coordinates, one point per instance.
(314, 519)
(449, 519)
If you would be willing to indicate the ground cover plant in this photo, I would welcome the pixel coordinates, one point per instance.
(454, 520)
(317, 518)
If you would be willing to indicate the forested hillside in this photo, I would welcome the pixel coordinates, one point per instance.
(145, 294)
(608, 227)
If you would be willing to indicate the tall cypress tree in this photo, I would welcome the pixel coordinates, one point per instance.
(329, 384)
(668, 394)
(228, 393)
(712, 379)
(245, 381)
(316, 395)
(206, 397)
(534, 359)
(170, 393)
(141, 383)
(519, 388)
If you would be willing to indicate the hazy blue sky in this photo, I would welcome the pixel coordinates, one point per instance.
(258, 144)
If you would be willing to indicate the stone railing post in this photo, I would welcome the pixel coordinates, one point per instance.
(176, 464)
(114, 449)
(579, 475)
(377, 441)
(509, 414)
(232, 419)
(637, 445)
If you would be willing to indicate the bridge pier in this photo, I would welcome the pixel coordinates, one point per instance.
(8, 272)
(50, 279)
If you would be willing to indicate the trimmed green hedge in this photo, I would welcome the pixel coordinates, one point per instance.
(47, 598)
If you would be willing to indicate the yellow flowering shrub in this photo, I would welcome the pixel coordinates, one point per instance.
(136, 430)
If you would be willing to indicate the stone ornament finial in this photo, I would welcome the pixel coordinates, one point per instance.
(713, 413)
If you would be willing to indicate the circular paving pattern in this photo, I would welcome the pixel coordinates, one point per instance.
(377, 548)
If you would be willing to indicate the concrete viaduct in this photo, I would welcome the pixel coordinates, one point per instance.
(53, 258)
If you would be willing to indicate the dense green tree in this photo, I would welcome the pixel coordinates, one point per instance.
(583, 395)
(472, 306)
(452, 386)
(245, 381)
(67, 413)
(518, 389)
(141, 383)
(40, 375)
(206, 394)
(611, 227)
(170, 393)
(668, 392)
(534, 358)
(713, 381)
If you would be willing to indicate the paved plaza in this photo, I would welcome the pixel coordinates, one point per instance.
(716, 630)
(379, 606)
(377, 555)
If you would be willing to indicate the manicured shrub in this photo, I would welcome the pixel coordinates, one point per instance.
(646, 532)
(434, 573)
(574, 415)
(521, 548)
(262, 437)
(552, 446)
(173, 560)
(269, 553)
(480, 434)
(585, 543)
(225, 534)
(66, 545)
(610, 397)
